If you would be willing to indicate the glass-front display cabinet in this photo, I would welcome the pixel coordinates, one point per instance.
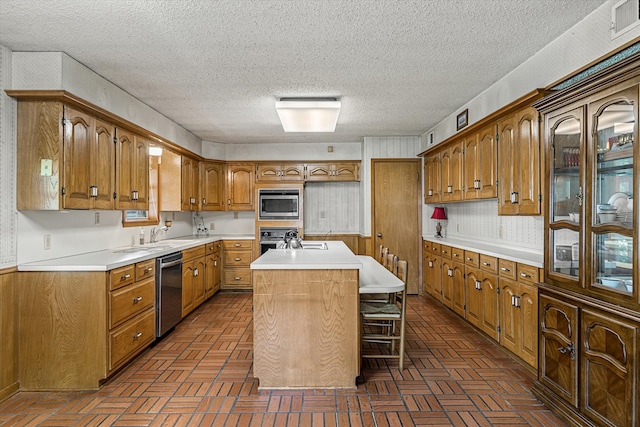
(592, 231)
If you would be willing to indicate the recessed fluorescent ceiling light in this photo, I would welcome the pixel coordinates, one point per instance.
(308, 114)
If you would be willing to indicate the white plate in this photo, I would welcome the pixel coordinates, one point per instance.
(620, 201)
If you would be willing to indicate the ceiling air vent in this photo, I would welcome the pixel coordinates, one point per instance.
(625, 15)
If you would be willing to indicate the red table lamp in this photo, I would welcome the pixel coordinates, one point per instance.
(438, 213)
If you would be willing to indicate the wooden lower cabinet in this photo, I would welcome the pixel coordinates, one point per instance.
(588, 369)
(236, 259)
(78, 328)
(193, 278)
(213, 268)
(482, 305)
(519, 319)
(8, 335)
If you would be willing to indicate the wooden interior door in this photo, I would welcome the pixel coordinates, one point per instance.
(396, 212)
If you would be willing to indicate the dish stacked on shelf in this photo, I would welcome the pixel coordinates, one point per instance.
(624, 206)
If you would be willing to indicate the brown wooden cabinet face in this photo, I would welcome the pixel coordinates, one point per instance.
(188, 293)
(490, 310)
(103, 165)
(345, 172)
(487, 163)
(78, 136)
(456, 172)
(528, 347)
(434, 276)
(432, 183)
(528, 162)
(471, 167)
(212, 181)
(508, 154)
(447, 283)
(240, 183)
(609, 369)
(199, 283)
(190, 194)
(558, 368)
(473, 296)
(125, 167)
(457, 290)
(510, 318)
(141, 173)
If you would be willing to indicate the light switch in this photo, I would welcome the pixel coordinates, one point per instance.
(46, 167)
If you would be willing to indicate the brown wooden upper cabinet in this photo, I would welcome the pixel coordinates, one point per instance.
(69, 159)
(240, 185)
(132, 171)
(519, 167)
(452, 173)
(343, 171)
(212, 179)
(190, 191)
(432, 179)
(267, 172)
(480, 164)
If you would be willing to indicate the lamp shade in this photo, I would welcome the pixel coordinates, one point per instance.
(438, 213)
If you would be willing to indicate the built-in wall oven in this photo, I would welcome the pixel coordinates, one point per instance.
(271, 237)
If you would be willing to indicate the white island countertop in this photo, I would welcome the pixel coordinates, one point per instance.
(336, 256)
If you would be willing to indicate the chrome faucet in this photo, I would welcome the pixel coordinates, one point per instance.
(154, 233)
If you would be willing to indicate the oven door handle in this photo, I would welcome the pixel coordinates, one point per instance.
(170, 263)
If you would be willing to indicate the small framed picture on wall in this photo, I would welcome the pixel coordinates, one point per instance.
(462, 119)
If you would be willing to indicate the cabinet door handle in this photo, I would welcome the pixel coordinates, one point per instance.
(430, 264)
(195, 272)
(237, 259)
(505, 269)
(215, 263)
(148, 269)
(93, 191)
(449, 188)
(204, 201)
(192, 200)
(525, 275)
(469, 258)
(568, 349)
(450, 272)
(137, 300)
(138, 335)
(486, 264)
(125, 277)
(478, 285)
(456, 255)
(430, 192)
(515, 301)
(237, 245)
(237, 278)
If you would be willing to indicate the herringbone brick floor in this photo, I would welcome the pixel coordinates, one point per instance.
(201, 375)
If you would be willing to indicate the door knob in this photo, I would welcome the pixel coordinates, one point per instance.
(380, 235)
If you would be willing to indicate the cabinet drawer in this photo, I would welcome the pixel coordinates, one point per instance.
(126, 302)
(435, 248)
(237, 244)
(472, 259)
(445, 251)
(237, 259)
(126, 341)
(489, 263)
(196, 252)
(237, 278)
(122, 276)
(145, 269)
(457, 254)
(507, 269)
(213, 247)
(527, 274)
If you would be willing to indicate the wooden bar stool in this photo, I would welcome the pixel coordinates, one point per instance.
(384, 322)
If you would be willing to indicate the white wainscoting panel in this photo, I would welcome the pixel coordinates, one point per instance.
(331, 207)
(8, 216)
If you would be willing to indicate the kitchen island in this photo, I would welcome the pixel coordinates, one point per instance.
(306, 317)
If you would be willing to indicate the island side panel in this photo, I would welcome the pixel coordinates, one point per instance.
(306, 328)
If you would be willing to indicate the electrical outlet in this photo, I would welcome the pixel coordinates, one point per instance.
(500, 232)
(97, 218)
(47, 242)
(323, 214)
(457, 228)
(212, 226)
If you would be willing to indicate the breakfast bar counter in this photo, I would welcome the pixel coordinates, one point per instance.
(306, 317)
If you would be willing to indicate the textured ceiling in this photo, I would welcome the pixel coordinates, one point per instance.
(217, 67)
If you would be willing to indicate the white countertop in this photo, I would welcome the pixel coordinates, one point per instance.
(108, 259)
(336, 256)
(376, 279)
(533, 258)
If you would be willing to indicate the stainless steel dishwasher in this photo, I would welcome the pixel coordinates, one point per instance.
(168, 292)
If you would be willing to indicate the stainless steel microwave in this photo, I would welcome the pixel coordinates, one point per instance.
(279, 204)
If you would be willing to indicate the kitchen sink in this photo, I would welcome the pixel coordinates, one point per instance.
(130, 250)
(314, 245)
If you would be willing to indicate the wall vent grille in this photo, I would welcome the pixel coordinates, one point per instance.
(625, 15)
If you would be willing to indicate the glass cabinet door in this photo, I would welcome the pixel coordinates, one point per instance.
(566, 196)
(611, 156)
